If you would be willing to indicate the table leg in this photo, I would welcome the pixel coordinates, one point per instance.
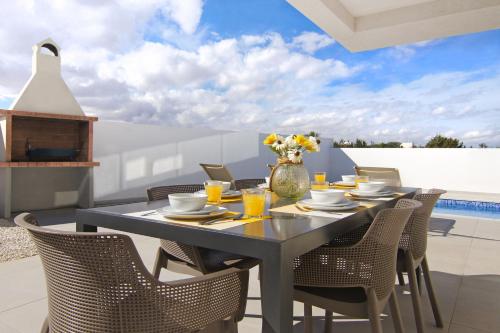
(277, 293)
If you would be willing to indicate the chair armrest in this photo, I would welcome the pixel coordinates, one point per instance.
(195, 303)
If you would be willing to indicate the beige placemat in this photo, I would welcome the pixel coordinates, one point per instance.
(217, 226)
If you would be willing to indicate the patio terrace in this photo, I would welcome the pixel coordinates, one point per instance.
(463, 257)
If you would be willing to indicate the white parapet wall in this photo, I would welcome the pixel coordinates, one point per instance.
(134, 157)
(453, 169)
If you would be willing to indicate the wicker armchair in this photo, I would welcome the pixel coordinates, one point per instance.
(186, 258)
(389, 175)
(248, 183)
(412, 258)
(218, 172)
(97, 282)
(355, 280)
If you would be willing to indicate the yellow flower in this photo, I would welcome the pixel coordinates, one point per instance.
(271, 138)
(300, 139)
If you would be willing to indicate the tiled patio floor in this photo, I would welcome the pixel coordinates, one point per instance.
(464, 255)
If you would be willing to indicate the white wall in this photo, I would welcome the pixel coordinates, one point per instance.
(467, 169)
(134, 157)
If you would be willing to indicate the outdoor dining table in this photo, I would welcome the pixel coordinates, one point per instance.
(275, 241)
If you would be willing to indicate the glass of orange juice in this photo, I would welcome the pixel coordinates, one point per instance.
(319, 185)
(254, 202)
(361, 179)
(320, 177)
(214, 188)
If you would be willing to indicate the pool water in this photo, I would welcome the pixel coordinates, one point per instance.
(468, 208)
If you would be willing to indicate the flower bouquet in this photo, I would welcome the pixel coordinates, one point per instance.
(289, 177)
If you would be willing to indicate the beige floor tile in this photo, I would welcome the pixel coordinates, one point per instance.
(27, 318)
(488, 229)
(463, 329)
(444, 225)
(478, 306)
(483, 258)
(4, 328)
(448, 254)
(22, 281)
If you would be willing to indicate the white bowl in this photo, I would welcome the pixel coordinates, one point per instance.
(371, 186)
(348, 178)
(187, 202)
(328, 196)
(226, 186)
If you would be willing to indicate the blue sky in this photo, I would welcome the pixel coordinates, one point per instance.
(255, 65)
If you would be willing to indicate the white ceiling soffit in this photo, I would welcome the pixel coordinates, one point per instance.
(361, 25)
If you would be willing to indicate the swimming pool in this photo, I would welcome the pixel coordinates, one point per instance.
(468, 208)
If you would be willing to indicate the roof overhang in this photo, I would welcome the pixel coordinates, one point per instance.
(361, 25)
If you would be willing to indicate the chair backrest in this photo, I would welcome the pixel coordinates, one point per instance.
(389, 175)
(380, 245)
(94, 280)
(217, 172)
(97, 282)
(248, 183)
(414, 237)
(162, 192)
(186, 253)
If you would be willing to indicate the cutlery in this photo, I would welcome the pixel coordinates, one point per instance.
(228, 219)
(150, 213)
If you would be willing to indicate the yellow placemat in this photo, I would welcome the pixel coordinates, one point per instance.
(217, 226)
(235, 199)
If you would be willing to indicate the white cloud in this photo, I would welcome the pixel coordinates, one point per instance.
(311, 42)
(186, 13)
(252, 82)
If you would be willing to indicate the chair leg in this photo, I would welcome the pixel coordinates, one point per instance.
(401, 279)
(373, 312)
(395, 313)
(432, 295)
(328, 321)
(308, 325)
(160, 262)
(418, 274)
(45, 326)
(415, 296)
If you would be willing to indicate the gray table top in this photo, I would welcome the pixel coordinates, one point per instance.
(280, 228)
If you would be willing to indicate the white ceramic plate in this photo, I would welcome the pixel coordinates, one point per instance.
(207, 211)
(385, 193)
(264, 186)
(225, 195)
(307, 202)
(352, 205)
(341, 183)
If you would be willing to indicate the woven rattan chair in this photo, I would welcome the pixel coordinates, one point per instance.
(412, 255)
(218, 172)
(186, 258)
(96, 282)
(248, 183)
(389, 175)
(356, 280)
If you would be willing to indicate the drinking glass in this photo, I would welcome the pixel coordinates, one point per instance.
(214, 188)
(320, 177)
(361, 179)
(319, 185)
(254, 202)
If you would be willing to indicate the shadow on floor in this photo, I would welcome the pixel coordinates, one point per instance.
(441, 225)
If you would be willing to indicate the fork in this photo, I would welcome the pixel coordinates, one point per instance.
(229, 219)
